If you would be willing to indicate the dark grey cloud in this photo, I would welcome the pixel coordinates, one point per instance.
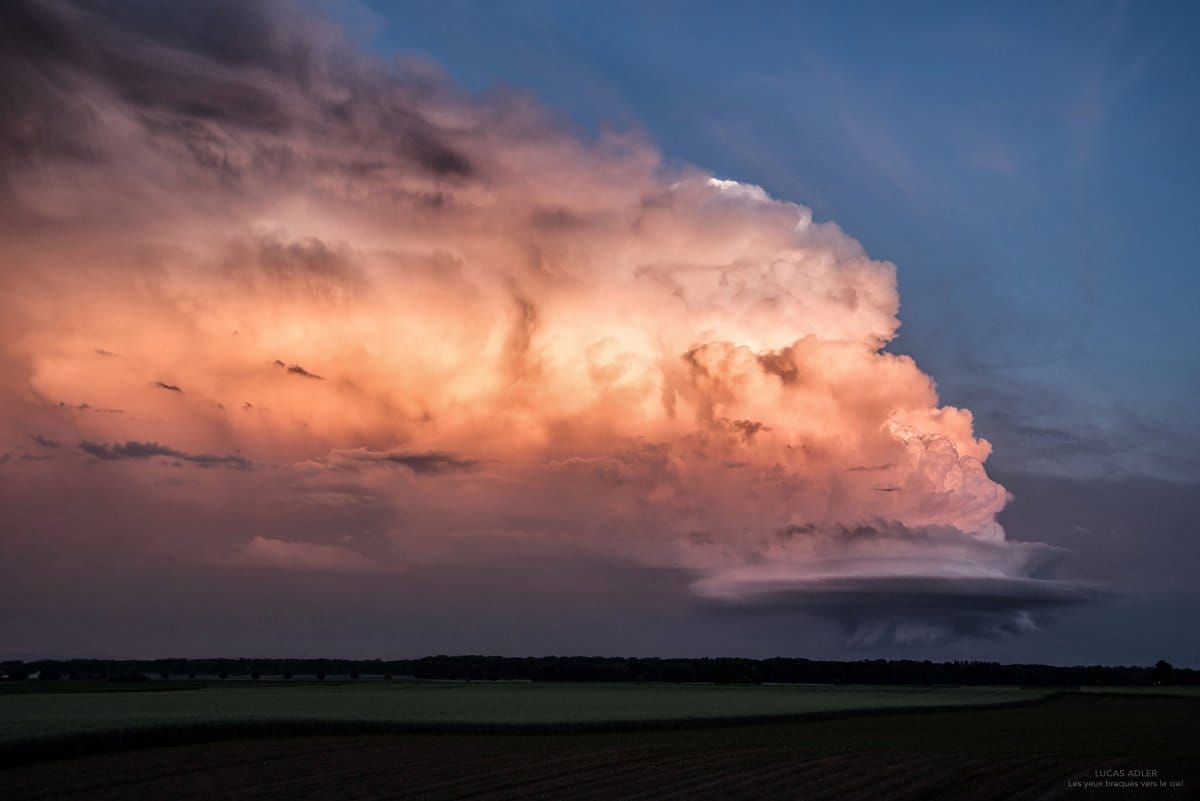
(420, 462)
(921, 610)
(745, 428)
(168, 387)
(324, 271)
(45, 442)
(431, 462)
(87, 407)
(871, 469)
(146, 450)
(225, 84)
(886, 584)
(781, 365)
(322, 268)
(296, 369)
(149, 58)
(37, 118)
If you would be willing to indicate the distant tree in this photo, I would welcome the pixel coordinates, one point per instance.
(320, 675)
(191, 675)
(723, 674)
(354, 675)
(387, 676)
(1163, 672)
(224, 674)
(255, 675)
(164, 675)
(287, 674)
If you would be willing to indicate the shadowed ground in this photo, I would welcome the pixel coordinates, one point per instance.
(33, 709)
(1031, 752)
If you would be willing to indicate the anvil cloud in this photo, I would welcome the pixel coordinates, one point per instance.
(417, 322)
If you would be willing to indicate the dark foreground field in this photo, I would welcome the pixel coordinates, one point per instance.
(1034, 751)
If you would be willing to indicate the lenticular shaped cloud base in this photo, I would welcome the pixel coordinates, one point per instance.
(416, 319)
(889, 585)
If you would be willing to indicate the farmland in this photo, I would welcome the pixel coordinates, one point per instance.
(1033, 751)
(39, 709)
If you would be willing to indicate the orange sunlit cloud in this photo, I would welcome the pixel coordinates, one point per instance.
(341, 316)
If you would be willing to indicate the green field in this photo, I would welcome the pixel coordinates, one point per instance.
(1042, 751)
(32, 711)
(1183, 691)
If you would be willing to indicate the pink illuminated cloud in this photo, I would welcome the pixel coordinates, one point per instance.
(354, 318)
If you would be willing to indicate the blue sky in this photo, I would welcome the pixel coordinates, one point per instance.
(1030, 168)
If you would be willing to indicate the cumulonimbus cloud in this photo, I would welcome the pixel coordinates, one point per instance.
(564, 338)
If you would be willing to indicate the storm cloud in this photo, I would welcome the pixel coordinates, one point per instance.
(932, 587)
(563, 342)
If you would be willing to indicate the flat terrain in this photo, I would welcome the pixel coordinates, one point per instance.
(1029, 751)
(1185, 691)
(38, 709)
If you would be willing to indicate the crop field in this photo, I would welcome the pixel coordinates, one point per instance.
(29, 713)
(1050, 749)
(1185, 691)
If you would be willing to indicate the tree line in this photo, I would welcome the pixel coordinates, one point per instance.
(615, 669)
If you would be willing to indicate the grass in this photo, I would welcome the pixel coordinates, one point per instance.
(1030, 751)
(1169, 689)
(29, 714)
